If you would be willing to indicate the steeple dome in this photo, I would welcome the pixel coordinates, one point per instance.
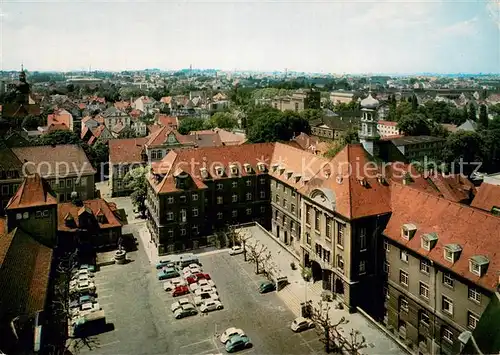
(370, 102)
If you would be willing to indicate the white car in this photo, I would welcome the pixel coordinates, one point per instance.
(211, 305)
(235, 250)
(201, 297)
(229, 332)
(187, 271)
(299, 324)
(205, 289)
(172, 284)
(78, 273)
(181, 302)
(200, 284)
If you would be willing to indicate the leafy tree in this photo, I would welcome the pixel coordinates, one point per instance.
(491, 137)
(59, 137)
(483, 116)
(401, 109)
(191, 124)
(465, 113)
(311, 114)
(271, 125)
(135, 180)
(32, 122)
(472, 112)
(223, 120)
(468, 146)
(495, 109)
(414, 124)
(414, 103)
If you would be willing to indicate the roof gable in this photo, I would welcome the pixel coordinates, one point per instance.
(34, 191)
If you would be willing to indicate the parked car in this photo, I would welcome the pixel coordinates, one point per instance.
(185, 311)
(77, 273)
(81, 300)
(88, 267)
(167, 273)
(188, 271)
(211, 305)
(82, 287)
(180, 291)
(300, 324)
(238, 342)
(164, 263)
(197, 277)
(266, 286)
(237, 249)
(201, 297)
(229, 333)
(201, 283)
(172, 284)
(181, 302)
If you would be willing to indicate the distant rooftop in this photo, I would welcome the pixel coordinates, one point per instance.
(408, 140)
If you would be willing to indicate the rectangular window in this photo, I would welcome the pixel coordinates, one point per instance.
(38, 214)
(387, 246)
(328, 228)
(386, 293)
(447, 305)
(292, 208)
(317, 220)
(220, 187)
(340, 262)
(474, 268)
(249, 182)
(424, 290)
(69, 182)
(170, 233)
(170, 216)
(447, 334)
(262, 181)
(249, 211)
(183, 216)
(340, 234)
(195, 212)
(362, 238)
(61, 183)
(170, 200)
(5, 189)
(403, 278)
(448, 255)
(235, 198)
(220, 200)
(472, 320)
(277, 198)
(293, 193)
(183, 231)
(474, 295)
(235, 184)
(404, 256)
(387, 267)
(308, 238)
(424, 319)
(249, 196)
(195, 229)
(308, 215)
(425, 266)
(219, 215)
(284, 203)
(262, 209)
(194, 197)
(403, 305)
(262, 194)
(183, 198)
(234, 213)
(448, 280)
(362, 267)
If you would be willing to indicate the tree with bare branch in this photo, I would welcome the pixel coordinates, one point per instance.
(257, 253)
(241, 237)
(331, 333)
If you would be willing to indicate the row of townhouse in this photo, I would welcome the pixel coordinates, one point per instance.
(338, 219)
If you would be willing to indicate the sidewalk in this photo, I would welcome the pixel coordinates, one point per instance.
(298, 291)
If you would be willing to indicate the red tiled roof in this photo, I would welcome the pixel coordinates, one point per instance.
(50, 161)
(82, 106)
(57, 127)
(167, 121)
(25, 266)
(487, 197)
(122, 105)
(477, 232)
(454, 188)
(136, 113)
(159, 137)
(126, 150)
(387, 123)
(34, 191)
(60, 117)
(94, 206)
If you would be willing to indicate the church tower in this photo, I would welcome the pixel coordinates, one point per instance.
(22, 88)
(368, 134)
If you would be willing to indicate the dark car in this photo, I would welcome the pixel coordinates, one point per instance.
(238, 342)
(180, 291)
(266, 286)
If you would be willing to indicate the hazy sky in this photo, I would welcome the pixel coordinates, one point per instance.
(328, 36)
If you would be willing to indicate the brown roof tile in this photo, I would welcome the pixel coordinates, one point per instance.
(487, 197)
(167, 121)
(455, 188)
(126, 150)
(159, 137)
(94, 206)
(24, 274)
(477, 232)
(49, 161)
(34, 191)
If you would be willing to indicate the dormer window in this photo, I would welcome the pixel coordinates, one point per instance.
(361, 180)
(282, 169)
(289, 174)
(297, 177)
(408, 231)
(452, 252)
(478, 264)
(219, 170)
(429, 241)
(381, 180)
(234, 169)
(275, 167)
(248, 168)
(204, 173)
(261, 167)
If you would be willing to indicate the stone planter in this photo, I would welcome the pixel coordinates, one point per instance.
(120, 257)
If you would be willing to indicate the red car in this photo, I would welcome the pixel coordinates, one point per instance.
(180, 291)
(196, 277)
